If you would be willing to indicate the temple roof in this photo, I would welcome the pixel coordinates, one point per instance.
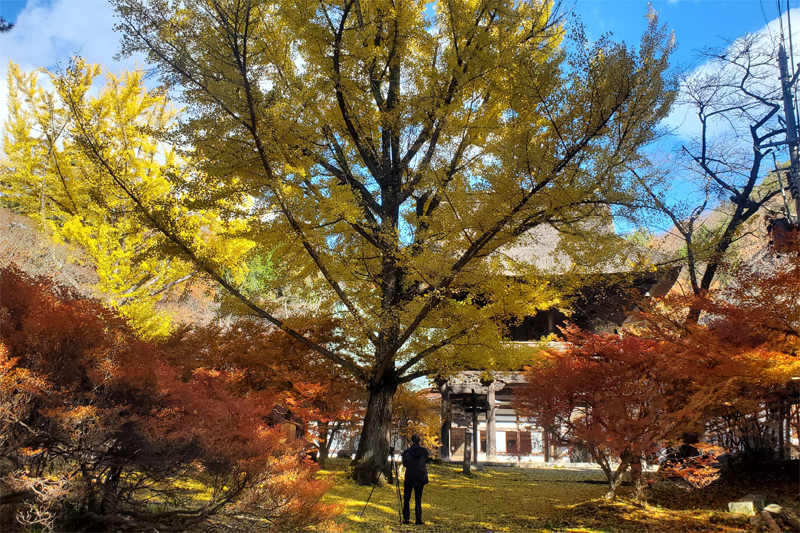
(539, 248)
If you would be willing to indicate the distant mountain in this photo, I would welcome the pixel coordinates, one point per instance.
(24, 246)
(752, 243)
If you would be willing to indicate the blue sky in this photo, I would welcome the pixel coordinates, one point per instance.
(9, 9)
(49, 32)
(696, 23)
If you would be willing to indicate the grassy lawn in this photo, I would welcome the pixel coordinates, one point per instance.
(520, 500)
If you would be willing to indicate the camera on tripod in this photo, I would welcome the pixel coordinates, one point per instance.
(396, 475)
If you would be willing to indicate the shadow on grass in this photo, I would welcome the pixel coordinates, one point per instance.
(627, 516)
(519, 500)
(776, 480)
(488, 500)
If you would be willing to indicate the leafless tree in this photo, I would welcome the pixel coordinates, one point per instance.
(734, 98)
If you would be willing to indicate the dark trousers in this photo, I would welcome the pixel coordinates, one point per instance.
(417, 501)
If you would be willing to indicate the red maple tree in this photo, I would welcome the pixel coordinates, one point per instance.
(622, 397)
(605, 394)
(738, 362)
(296, 383)
(104, 431)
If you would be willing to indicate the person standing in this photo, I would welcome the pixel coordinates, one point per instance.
(414, 461)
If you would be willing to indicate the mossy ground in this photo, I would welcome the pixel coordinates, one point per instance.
(521, 500)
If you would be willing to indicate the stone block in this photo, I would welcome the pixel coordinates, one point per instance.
(748, 505)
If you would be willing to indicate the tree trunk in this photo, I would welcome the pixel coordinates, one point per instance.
(324, 443)
(739, 216)
(333, 430)
(615, 479)
(371, 464)
(613, 486)
(638, 479)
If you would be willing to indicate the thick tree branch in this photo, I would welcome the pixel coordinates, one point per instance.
(153, 220)
(370, 160)
(429, 350)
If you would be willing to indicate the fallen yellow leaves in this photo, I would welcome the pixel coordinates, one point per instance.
(511, 500)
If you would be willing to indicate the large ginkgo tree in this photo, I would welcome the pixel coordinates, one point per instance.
(385, 151)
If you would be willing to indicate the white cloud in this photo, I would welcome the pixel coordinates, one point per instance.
(684, 123)
(48, 34)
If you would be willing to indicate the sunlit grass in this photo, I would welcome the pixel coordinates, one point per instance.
(513, 500)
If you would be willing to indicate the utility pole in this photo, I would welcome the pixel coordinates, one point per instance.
(791, 130)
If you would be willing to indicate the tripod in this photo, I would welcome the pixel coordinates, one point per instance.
(396, 484)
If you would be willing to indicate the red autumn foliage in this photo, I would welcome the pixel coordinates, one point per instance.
(700, 469)
(605, 394)
(264, 362)
(620, 397)
(101, 430)
(738, 362)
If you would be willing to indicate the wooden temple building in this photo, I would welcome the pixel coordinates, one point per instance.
(499, 435)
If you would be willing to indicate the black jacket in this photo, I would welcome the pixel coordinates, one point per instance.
(414, 460)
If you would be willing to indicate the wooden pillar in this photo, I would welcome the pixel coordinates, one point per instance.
(491, 424)
(551, 321)
(467, 451)
(797, 412)
(781, 420)
(787, 439)
(546, 441)
(475, 433)
(447, 418)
